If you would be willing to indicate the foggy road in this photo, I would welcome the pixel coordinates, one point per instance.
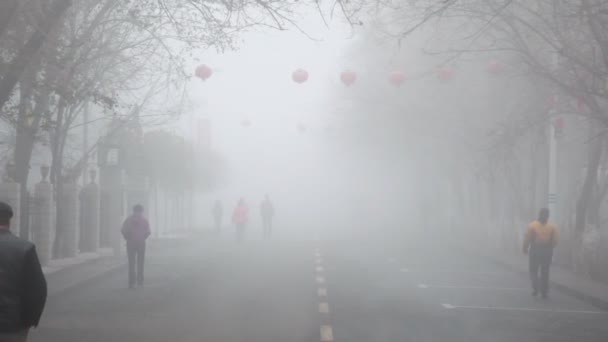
(283, 290)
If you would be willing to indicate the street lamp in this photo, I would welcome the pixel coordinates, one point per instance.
(108, 155)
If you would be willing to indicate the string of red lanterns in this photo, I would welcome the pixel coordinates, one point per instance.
(349, 77)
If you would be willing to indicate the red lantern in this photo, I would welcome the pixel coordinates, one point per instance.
(580, 103)
(553, 100)
(348, 77)
(246, 123)
(301, 127)
(495, 67)
(397, 78)
(203, 72)
(300, 76)
(558, 123)
(446, 74)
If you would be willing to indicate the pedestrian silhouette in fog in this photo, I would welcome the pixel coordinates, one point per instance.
(240, 217)
(267, 212)
(539, 242)
(22, 284)
(218, 214)
(136, 230)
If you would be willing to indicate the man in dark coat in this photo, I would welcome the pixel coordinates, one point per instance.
(22, 284)
(136, 230)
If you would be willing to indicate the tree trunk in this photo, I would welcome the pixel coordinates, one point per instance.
(589, 185)
(25, 138)
(56, 164)
(7, 11)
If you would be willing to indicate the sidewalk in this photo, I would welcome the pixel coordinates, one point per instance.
(67, 274)
(562, 279)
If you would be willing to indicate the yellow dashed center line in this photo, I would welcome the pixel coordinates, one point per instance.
(327, 333)
(324, 307)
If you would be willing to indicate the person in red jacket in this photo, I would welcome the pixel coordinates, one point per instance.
(136, 230)
(240, 217)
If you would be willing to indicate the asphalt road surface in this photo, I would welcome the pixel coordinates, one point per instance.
(217, 290)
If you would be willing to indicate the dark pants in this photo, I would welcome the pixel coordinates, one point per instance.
(218, 223)
(20, 336)
(540, 260)
(267, 223)
(136, 251)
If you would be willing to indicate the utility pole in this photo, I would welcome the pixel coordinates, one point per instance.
(85, 143)
(552, 189)
(553, 133)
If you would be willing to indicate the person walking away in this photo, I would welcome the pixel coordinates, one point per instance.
(136, 230)
(267, 211)
(240, 218)
(218, 213)
(539, 242)
(23, 288)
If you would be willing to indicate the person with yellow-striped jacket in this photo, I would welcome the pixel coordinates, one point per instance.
(539, 242)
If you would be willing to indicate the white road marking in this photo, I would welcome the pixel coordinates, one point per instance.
(320, 280)
(319, 269)
(426, 286)
(319, 261)
(500, 308)
(322, 292)
(324, 307)
(391, 260)
(327, 334)
(404, 270)
(459, 272)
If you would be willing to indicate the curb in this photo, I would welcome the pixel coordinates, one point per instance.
(87, 280)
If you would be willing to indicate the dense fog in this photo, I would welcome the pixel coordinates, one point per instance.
(364, 170)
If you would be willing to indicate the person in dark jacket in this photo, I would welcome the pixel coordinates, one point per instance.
(267, 213)
(22, 285)
(218, 214)
(136, 230)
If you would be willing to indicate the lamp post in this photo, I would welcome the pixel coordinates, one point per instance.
(110, 185)
(553, 132)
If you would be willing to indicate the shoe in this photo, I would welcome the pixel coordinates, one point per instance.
(535, 293)
(545, 296)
